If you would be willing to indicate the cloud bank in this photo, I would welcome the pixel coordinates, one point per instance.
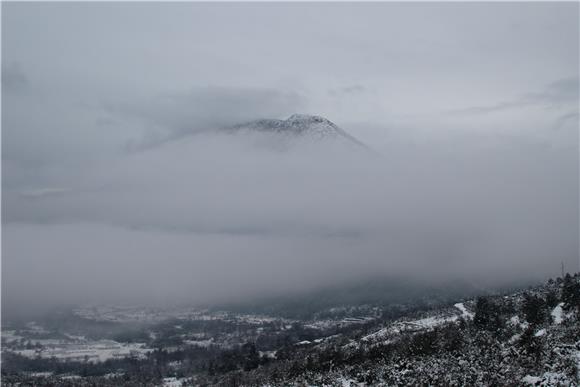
(117, 186)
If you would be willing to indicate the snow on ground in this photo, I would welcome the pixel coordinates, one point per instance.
(558, 313)
(34, 327)
(514, 338)
(426, 323)
(578, 361)
(540, 333)
(321, 324)
(344, 382)
(531, 380)
(129, 314)
(200, 343)
(410, 326)
(10, 336)
(464, 312)
(97, 351)
(259, 320)
(75, 337)
(515, 321)
(71, 377)
(113, 375)
(268, 354)
(173, 382)
(547, 379)
(40, 374)
(328, 324)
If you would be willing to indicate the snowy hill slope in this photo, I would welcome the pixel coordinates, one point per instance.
(518, 337)
(296, 126)
(529, 337)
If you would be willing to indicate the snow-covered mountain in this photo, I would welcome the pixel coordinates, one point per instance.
(299, 126)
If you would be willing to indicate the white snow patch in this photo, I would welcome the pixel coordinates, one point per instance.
(41, 374)
(531, 379)
(514, 338)
(578, 363)
(94, 352)
(173, 382)
(268, 354)
(464, 312)
(344, 382)
(540, 333)
(515, 321)
(10, 336)
(409, 326)
(547, 379)
(558, 313)
(200, 343)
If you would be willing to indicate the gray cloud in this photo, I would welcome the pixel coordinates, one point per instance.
(13, 78)
(216, 216)
(177, 115)
(351, 89)
(565, 118)
(563, 92)
(43, 192)
(470, 205)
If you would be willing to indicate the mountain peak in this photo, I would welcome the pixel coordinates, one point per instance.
(299, 125)
(307, 118)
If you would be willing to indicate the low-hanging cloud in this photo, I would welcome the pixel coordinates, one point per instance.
(560, 93)
(214, 217)
(117, 186)
(13, 78)
(174, 115)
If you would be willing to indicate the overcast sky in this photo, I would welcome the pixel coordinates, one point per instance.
(110, 191)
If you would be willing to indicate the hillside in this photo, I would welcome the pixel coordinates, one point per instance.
(529, 336)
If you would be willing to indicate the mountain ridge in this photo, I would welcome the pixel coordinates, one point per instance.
(315, 127)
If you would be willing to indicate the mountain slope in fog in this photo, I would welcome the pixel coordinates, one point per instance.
(299, 126)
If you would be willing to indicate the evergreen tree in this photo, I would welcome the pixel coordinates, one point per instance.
(534, 309)
(552, 299)
(487, 314)
(571, 292)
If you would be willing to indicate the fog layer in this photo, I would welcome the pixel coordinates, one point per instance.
(118, 185)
